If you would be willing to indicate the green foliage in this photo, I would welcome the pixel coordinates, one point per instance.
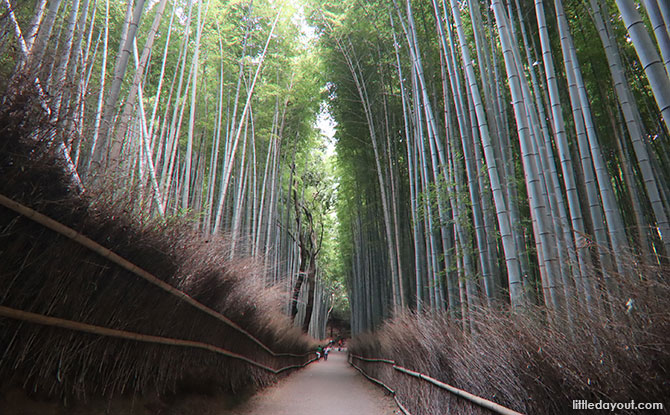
(299, 75)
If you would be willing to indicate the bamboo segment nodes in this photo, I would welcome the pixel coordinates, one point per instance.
(659, 79)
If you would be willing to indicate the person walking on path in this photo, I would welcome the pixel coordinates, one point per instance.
(325, 353)
(319, 352)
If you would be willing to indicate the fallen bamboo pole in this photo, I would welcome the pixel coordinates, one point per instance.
(128, 335)
(129, 266)
(478, 400)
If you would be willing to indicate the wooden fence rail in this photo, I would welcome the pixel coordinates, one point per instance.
(128, 335)
(383, 385)
(477, 400)
(129, 266)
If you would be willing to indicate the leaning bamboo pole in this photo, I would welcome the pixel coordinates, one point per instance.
(127, 265)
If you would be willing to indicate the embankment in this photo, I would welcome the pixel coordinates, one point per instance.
(526, 363)
(47, 274)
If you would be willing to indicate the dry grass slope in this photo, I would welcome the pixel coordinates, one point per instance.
(45, 273)
(528, 364)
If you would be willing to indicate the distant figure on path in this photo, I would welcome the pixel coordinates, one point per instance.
(319, 352)
(325, 353)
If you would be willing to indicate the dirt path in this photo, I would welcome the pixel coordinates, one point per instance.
(325, 388)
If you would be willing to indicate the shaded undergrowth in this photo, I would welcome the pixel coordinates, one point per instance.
(46, 273)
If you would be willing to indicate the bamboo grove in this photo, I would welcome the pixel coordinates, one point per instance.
(499, 154)
(491, 155)
(201, 110)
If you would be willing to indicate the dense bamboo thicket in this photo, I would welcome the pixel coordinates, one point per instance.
(520, 362)
(499, 163)
(203, 109)
(46, 273)
(505, 159)
(518, 150)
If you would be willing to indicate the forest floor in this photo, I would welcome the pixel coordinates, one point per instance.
(329, 387)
